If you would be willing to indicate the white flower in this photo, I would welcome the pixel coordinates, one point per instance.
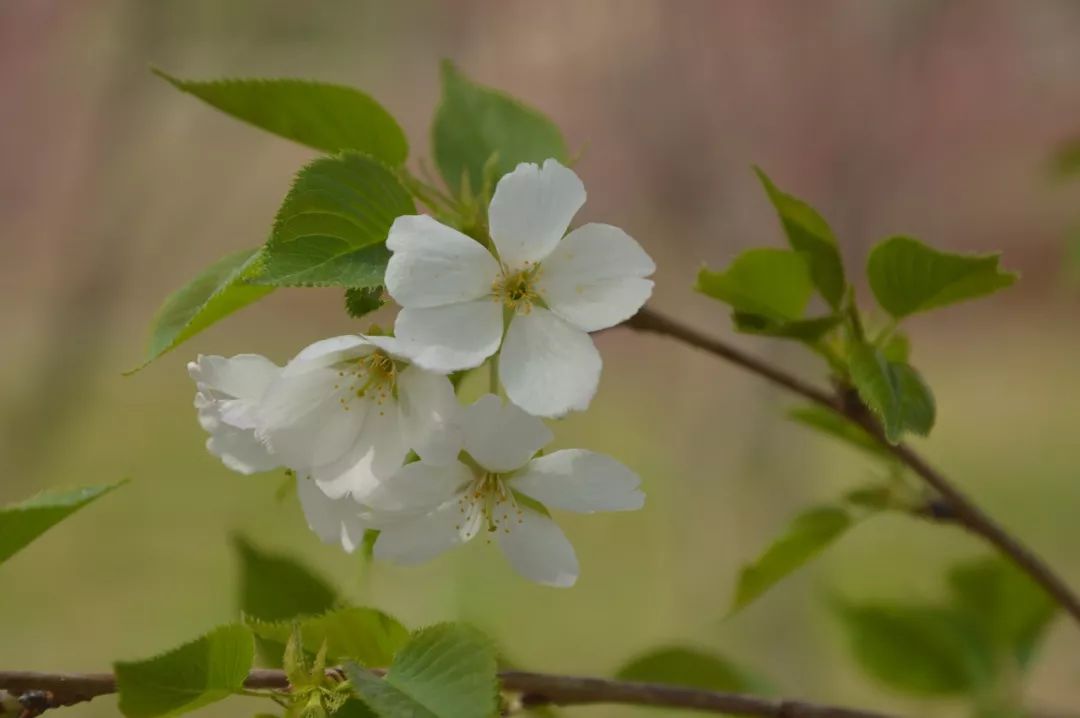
(228, 391)
(497, 491)
(335, 521)
(555, 289)
(347, 410)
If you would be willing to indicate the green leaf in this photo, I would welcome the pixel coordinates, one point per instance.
(805, 330)
(360, 302)
(331, 228)
(326, 117)
(908, 277)
(897, 347)
(807, 536)
(275, 587)
(878, 386)
(809, 234)
(830, 423)
(364, 635)
(773, 283)
(1010, 610)
(691, 667)
(23, 522)
(217, 292)
(446, 671)
(189, 677)
(916, 400)
(1066, 161)
(474, 123)
(919, 650)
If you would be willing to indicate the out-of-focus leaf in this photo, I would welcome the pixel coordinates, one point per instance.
(897, 348)
(23, 522)
(278, 588)
(832, 424)
(692, 667)
(804, 330)
(908, 277)
(1066, 161)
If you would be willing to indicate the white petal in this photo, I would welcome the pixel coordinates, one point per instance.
(303, 420)
(537, 549)
(501, 437)
(429, 415)
(239, 450)
(531, 209)
(334, 521)
(434, 265)
(548, 367)
(579, 480)
(244, 376)
(327, 352)
(594, 278)
(449, 338)
(422, 539)
(377, 454)
(419, 486)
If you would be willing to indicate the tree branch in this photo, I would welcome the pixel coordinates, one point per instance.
(40, 691)
(961, 509)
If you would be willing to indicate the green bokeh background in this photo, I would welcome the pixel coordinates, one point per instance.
(929, 118)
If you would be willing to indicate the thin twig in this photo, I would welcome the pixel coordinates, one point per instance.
(535, 689)
(962, 510)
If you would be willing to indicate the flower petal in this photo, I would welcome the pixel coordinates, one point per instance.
(334, 521)
(429, 413)
(548, 367)
(377, 454)
(594, 278)
(244, 376)
(239, 450)
(422, 539)
(501, 437)
(419, 486)
(531, 209)
(579, 480)
(538, 549)
(327, 352)
(435, 265)
(304, 421)
(450, 338)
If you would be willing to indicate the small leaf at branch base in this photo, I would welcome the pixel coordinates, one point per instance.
(23, 522)
(830, 423)
(807, 536)
(446, 671)
(331, 229)
(916, 400)
(361, 302)
(893, 391)
(809, 331)
(773, 283)
(275, 587)
(809, 234)
(365, 635)
(189, 677)
(473, 124)
(217, 292)
(691, 667)
(907, 276)
(326, 117)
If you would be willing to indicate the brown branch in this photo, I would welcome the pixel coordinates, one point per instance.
(959, 508)
(52, 690)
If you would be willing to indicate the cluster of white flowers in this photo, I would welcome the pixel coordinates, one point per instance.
(348, 413)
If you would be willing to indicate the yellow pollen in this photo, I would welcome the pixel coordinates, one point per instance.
(372, 377)
(517, 290)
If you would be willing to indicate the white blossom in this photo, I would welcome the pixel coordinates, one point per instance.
(554, 289)
(347, 410)
(341, 521)
(500, 490)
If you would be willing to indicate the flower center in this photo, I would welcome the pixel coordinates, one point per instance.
(488, 499)
(372, 377)
(517, 290)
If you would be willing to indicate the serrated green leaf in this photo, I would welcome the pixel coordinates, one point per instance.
(364, 635)
(810, 331)
(475, 123)
(809, 234)
(1010, 610)
(919, 650)
(808, 535)
(878, 386)
(23, 522)
(214, 294)
(907, 276)
(326, 117)
(691, 667)
(832, 424)
(773, 283)
(446, 671)
(278, 588)
(331, 229)
(916, 400)
(185, 678)
(361, 302)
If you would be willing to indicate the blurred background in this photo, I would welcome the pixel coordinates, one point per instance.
(935, 119)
